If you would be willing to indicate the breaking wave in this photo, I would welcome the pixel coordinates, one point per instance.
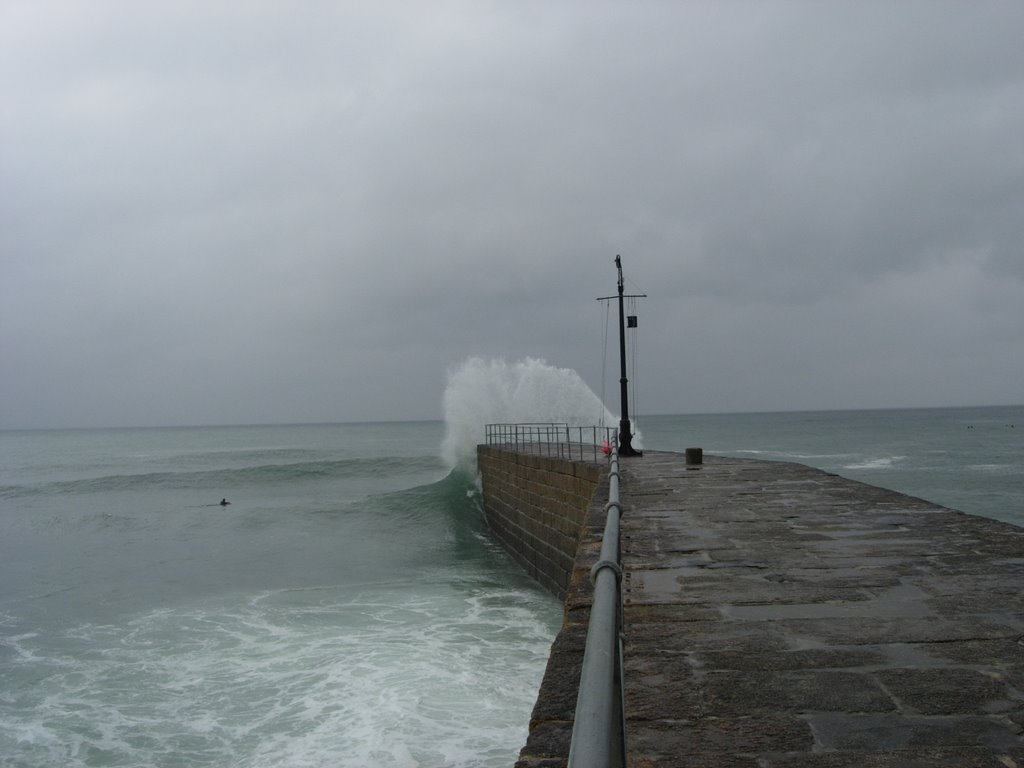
(492, 391)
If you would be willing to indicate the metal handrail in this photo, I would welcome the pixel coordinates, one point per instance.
(583, 443)
(599, 733)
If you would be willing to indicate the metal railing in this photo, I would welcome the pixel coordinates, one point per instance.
(599, 732)
(553, 439)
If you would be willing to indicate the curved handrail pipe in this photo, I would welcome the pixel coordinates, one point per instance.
(598, 733)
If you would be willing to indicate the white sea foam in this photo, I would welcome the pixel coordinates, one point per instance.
(490, 391)
(399, 677)
(884, 462)
(788, 455)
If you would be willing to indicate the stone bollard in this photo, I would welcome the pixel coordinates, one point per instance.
(694, 458)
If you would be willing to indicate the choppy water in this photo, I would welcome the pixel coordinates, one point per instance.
(348, 608)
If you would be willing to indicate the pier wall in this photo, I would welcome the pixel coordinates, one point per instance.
(549, 513)
(536, 507)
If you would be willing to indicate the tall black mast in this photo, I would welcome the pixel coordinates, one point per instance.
(625, 430)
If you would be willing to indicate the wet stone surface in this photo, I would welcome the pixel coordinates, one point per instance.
(778, 616)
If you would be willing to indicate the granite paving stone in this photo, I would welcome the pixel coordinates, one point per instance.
(782, 617)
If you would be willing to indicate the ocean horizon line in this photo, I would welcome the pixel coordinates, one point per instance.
(374, 422)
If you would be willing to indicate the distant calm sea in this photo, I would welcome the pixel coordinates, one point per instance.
(348, 607)
(971, 459)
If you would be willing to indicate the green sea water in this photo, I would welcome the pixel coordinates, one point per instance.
(348, 608)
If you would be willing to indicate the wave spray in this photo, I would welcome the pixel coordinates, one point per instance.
(491, 391)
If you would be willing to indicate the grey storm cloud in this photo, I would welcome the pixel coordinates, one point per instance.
(222, 212)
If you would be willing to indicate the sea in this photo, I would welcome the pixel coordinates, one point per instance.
(347, 607)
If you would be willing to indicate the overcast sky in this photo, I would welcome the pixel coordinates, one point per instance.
(250, 212)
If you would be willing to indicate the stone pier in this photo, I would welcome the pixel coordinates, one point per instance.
(776, 616)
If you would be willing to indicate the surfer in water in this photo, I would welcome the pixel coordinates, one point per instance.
(224, 502)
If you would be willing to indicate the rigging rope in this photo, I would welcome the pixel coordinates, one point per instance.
(604, 361)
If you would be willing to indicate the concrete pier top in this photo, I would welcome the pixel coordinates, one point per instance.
(777, 616)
